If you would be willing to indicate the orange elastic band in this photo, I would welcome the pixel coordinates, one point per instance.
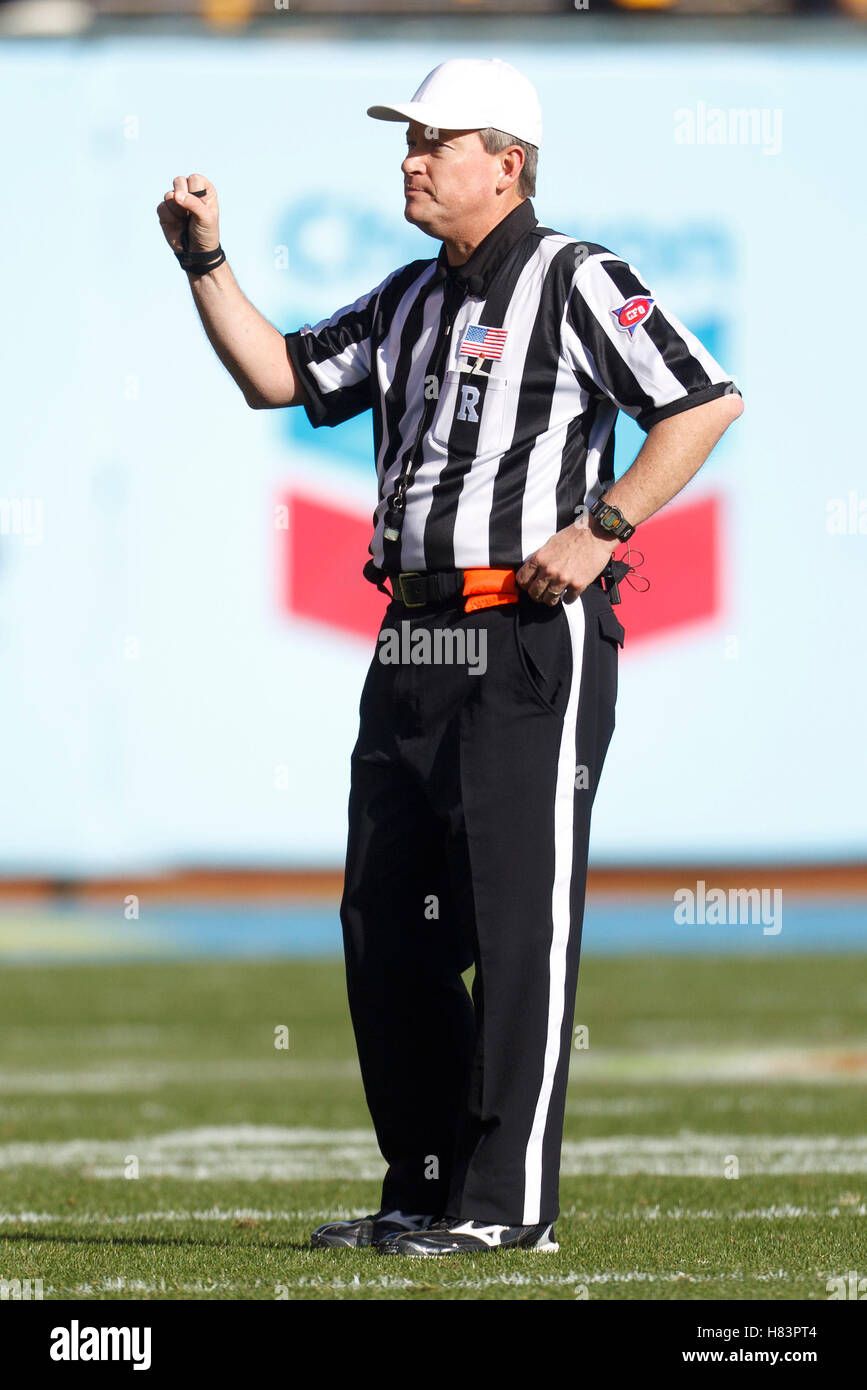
(485, 588)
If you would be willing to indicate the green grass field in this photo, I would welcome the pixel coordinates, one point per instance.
(697, 1068)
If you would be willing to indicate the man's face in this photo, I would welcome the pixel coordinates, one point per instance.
(449, 178)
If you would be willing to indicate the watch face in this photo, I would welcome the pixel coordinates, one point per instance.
(612, 520)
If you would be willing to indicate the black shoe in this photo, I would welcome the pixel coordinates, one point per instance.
(468, 1238)
(367, 1230)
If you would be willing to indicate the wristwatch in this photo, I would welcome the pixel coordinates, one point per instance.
(612, 520)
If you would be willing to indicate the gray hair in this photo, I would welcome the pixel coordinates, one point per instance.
(496, 140)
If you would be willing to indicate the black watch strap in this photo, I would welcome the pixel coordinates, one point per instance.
(612, 520)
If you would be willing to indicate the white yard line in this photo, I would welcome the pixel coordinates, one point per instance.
(584, 1105)
(100, 1287)
(721, 1065)
(258, 1152)
(783, 1212)
(528, 1278)
(267, 1216)
(122, 1077)
(138, 1218)
(717, 1066)
(691, 1154)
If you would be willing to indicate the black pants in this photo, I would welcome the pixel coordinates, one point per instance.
(469, 818)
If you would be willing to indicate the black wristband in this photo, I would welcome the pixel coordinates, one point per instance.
(200, 262)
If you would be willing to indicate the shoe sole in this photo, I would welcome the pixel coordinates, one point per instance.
(336, 1242)
(452, 1254)
(547, 1247)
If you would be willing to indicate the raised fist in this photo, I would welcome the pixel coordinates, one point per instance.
(191, 206)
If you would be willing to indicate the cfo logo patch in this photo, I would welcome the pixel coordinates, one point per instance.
(632, 313)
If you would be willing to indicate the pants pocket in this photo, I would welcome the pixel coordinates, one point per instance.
(544, 653)
(612, 633)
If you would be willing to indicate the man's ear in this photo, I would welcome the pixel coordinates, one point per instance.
(517, 156)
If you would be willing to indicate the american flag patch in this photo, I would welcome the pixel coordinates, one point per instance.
(479, 341)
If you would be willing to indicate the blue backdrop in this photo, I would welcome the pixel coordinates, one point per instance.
(160, 701)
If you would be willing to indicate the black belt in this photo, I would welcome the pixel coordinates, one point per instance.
(415, 589)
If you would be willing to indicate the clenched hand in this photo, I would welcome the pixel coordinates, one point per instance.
(199, 215)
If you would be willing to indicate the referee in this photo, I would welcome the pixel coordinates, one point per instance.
(495, 372)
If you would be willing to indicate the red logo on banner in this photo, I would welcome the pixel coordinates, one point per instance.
(324, 548)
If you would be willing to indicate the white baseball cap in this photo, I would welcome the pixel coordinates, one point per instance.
(472, 94)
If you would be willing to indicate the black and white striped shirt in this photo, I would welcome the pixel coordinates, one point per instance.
(500, 449)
